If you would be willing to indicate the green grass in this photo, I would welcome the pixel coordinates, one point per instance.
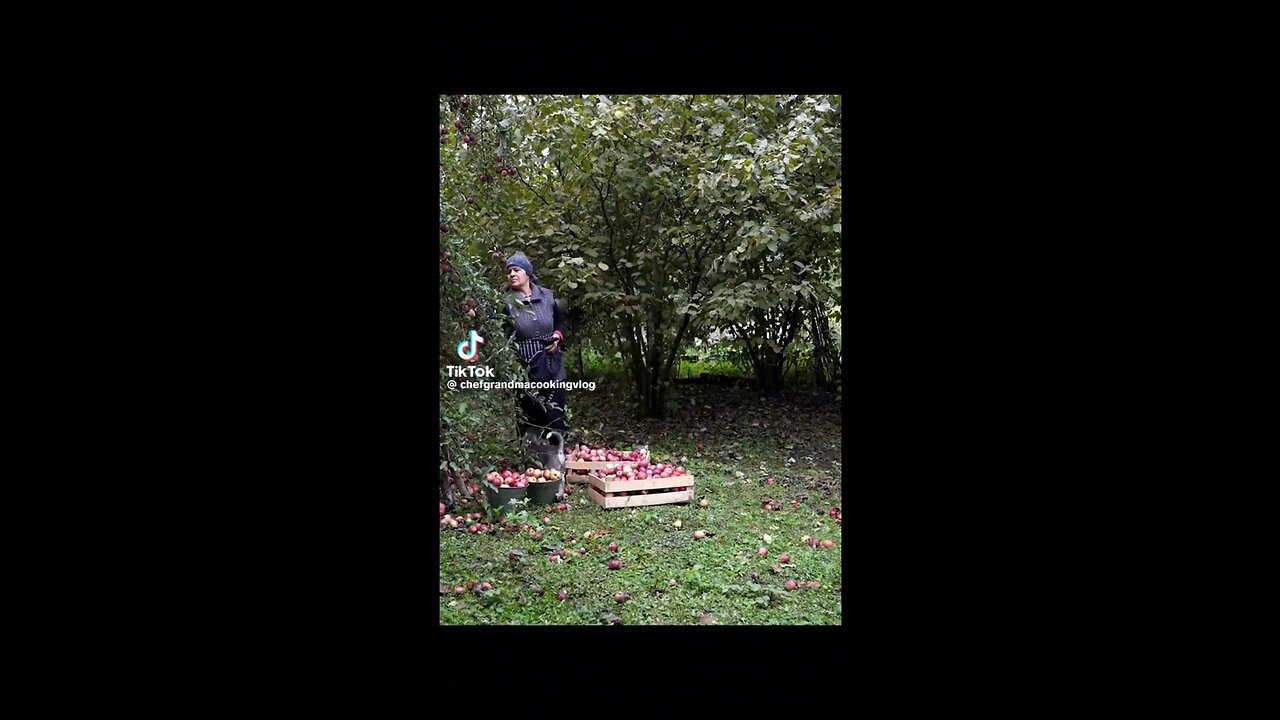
(714, 576)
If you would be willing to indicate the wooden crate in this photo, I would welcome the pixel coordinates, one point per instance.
(598, 490)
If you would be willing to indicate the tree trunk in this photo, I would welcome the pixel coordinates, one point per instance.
(825, 360)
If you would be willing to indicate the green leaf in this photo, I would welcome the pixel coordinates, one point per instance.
(835, 228)
(603, 266)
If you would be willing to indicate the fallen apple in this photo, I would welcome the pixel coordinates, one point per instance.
(790, 584)
(784, 558)
(614, 564)
(698, 534)
(762, 552)
(827, 543)
(619, 597)
(613, 546)
(702, 502)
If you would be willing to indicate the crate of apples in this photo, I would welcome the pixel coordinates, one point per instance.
(642, 483)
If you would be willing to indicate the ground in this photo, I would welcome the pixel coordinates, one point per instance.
(720, 579)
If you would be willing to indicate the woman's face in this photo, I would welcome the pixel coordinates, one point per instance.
(517, 277)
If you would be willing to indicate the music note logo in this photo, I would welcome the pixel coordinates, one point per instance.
(469, 349)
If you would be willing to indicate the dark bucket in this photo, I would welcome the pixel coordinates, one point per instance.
(500, 498)
(545, 493)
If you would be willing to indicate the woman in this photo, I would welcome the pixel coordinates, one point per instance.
(538, 327)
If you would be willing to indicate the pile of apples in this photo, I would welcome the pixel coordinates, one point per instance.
(539, 475)
(586, 453)
(835, 513)
(469, 522)
(508, 478)
(641, 470)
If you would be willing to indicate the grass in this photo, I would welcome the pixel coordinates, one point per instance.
(719, 580)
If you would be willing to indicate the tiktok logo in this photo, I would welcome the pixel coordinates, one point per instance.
(469, 349)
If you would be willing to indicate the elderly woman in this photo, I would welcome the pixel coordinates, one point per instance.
(538, 325)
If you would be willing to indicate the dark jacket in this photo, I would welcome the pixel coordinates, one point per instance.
(531, 324)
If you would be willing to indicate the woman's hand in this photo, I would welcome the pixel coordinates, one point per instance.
(553, 347)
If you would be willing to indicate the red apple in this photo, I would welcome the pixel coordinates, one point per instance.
(827, 543)
(471, 528)
(619, 597)
(613, 547)
(784, 558)
(441, 508)
(614, 564)
(561, 595)
(790, 584)
(762, 552)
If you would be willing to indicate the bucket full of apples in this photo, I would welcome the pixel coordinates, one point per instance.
(504, 488)
(545, 486)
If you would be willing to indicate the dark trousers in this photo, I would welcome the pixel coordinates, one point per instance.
(541, 409)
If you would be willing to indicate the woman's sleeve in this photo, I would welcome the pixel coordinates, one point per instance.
(561, 322)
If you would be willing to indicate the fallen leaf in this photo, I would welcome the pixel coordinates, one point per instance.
(768, 538)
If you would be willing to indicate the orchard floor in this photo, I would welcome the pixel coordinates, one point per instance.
(731, 442)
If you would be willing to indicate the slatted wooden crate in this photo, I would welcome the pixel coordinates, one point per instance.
(576, 471)
(602, 491)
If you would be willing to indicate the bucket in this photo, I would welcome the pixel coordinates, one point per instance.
(500, 498)
(545, 493)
